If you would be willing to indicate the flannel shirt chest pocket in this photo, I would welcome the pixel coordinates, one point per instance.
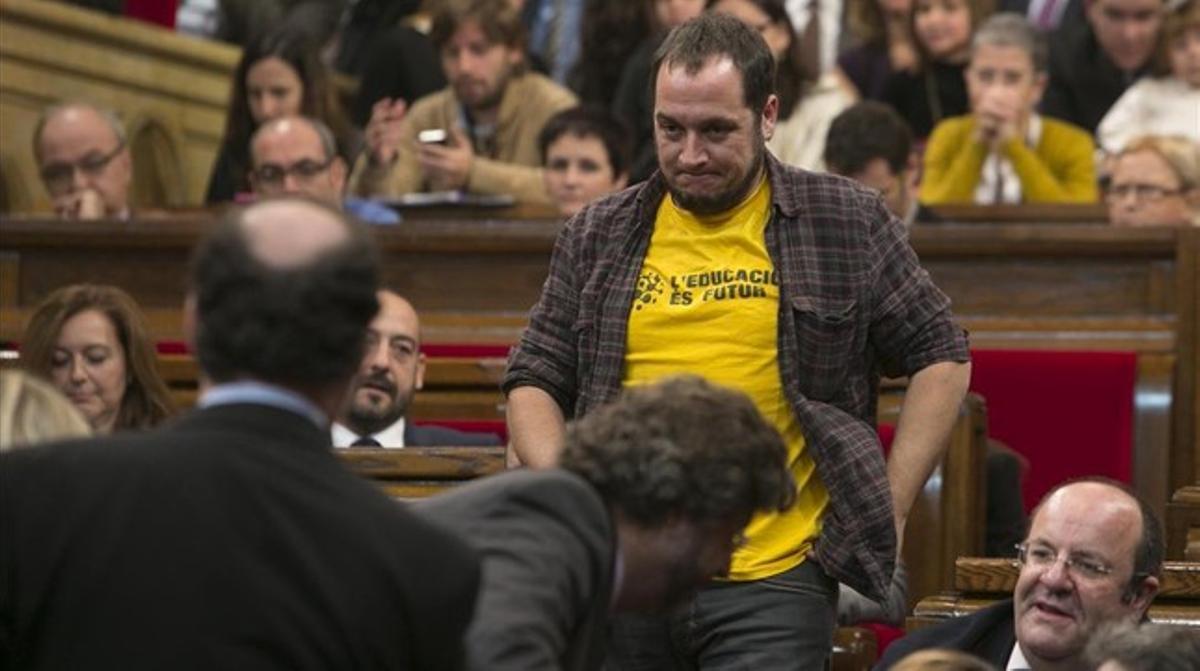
(826, 331)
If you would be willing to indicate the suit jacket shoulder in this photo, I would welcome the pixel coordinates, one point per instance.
(440, 436)
(230, 539)
(547, 545)
(989, 634)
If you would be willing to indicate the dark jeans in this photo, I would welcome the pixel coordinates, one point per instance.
(777, 623)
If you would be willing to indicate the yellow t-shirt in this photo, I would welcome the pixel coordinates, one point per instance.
(708, 303)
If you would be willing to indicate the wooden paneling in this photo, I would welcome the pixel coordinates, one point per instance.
(1183, 524)
(170, 90)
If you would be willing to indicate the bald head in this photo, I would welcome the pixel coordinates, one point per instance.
(83, 161)
(297, 156)
(1091, 559)
(283, 292)
(292, 233)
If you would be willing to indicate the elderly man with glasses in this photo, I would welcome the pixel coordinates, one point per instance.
(83, 161)
(298, 156)
(1092, 558)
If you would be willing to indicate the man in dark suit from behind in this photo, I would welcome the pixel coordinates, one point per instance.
(391, 372)
(648, 503)
(1092, 557)
(233, 538)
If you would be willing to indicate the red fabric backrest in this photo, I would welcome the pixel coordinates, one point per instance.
(1069, 413)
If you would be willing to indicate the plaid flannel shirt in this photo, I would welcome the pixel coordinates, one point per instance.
(854, 303)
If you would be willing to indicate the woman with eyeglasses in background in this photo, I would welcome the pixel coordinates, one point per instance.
(1155, 181)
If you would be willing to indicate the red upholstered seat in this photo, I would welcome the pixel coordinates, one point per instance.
(1069, 413)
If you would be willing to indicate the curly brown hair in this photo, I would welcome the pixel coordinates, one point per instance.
(681, 447)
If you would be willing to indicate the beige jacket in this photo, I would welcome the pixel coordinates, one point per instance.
(512, 167)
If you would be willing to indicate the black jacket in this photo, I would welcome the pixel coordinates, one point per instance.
(233, 539)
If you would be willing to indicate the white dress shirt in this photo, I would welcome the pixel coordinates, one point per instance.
(999, 178)
(391, 438)
(1017, 661)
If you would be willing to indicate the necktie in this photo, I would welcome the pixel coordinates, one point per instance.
(365, 441)
(810, 42)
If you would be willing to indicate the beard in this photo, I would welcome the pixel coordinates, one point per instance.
(366, 416)
(726, 199)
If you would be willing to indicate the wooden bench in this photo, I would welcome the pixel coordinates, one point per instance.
(1014, 286)
(980, 582)
(1183, 524)
(417, 472)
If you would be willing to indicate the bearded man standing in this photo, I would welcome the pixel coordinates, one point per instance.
(793, 287)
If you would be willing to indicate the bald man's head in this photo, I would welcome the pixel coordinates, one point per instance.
(1091, 558)
(83, 161)
(283, 293)
(297, 156)
(392, 370)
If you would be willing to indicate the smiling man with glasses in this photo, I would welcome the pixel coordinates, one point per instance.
(1092, 557)
(83, 161)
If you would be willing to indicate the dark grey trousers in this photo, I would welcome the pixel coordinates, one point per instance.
(779, 623)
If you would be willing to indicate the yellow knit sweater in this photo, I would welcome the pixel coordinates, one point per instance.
(1061, 169)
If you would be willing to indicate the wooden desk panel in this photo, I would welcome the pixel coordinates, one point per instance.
(474, 276)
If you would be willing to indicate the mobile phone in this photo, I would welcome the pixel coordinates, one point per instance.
(433, 136)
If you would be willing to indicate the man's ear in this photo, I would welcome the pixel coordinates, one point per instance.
(337, 175)
(1139, 598)
(419, 382)
(770, 115)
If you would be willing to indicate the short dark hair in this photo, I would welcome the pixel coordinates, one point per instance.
(865, 131)
(295, 326)
(498, 20)
(1148, 555)
(589, 121)
(713, 35)
(681, 447)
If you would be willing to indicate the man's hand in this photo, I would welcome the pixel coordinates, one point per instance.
(382, 134)
(447, 167)
(85, 204)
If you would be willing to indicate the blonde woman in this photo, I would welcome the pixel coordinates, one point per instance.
(33, 411)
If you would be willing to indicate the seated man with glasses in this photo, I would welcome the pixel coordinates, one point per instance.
(1155, 181)
(83, 161)
(298, 156)
(1092, 558)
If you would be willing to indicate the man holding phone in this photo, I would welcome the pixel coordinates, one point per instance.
(480, 133)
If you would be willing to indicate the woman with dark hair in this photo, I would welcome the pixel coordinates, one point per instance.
(937, 90)
(806, 106)
(609, 36)
(279, 75)
(91, 342)
(883, 44)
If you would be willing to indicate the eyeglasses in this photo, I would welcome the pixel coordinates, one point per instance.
(1142, 192)
(272, 174)
(1043, 557)
(58, 177)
